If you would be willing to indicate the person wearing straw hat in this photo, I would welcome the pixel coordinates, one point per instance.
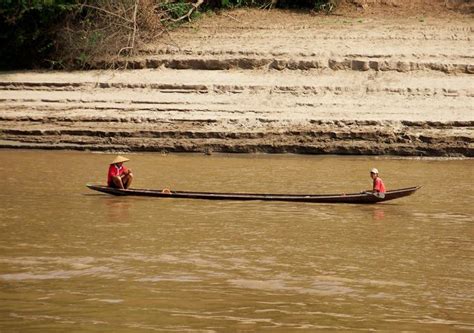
(119, 176)
(378, 187)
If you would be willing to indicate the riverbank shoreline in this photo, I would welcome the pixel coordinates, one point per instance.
(262, 82)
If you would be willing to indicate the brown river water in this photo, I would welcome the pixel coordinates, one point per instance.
(73, 260)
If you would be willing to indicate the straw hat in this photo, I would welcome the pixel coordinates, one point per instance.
(374, 171)
(120, 159)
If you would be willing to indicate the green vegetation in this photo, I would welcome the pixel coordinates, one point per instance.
(176, 9)
(28, 30)
(71, 33)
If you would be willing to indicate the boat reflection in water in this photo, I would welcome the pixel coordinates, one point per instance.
(117, 209)
(378, 214)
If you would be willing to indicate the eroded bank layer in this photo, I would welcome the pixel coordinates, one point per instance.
(310, 85)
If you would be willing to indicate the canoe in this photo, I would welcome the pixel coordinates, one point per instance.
(353, 198)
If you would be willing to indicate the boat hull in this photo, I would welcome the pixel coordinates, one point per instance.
(351, 198)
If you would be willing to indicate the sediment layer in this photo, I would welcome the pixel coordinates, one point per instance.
(405, 88)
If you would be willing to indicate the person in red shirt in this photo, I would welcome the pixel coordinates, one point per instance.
(119, 176)
(378, 185)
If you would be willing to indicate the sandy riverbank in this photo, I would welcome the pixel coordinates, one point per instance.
(264, 81)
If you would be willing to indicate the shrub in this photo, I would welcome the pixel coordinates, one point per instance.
(71, 33)
(28, 31)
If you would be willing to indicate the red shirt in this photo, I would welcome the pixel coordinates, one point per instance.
(379, 185)
(115, 170)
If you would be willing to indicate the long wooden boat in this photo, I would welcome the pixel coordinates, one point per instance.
(353, 198)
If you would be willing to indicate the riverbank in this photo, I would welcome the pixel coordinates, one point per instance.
(263, 81)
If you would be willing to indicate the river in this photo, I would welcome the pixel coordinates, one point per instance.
(72, 260)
